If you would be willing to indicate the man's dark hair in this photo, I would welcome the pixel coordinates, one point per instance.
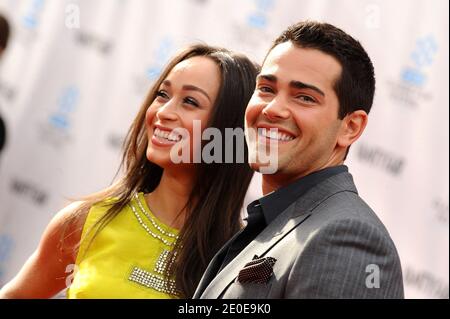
(4, 32)
(355, 87)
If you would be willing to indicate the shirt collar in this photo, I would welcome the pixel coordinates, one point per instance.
(277, 201)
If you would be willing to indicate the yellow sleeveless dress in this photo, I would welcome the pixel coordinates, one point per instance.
(127, 258)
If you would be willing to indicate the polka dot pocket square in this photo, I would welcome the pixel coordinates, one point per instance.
(259, 270)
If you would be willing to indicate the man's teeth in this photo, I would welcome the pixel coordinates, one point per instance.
(167, 135)
(275, 135)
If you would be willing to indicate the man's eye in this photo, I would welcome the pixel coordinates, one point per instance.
(306, 98)
(191, 101)
(265, 89)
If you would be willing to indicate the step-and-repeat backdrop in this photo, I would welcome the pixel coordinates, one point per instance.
(75, 73)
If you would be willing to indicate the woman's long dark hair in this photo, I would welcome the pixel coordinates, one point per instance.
(215, 202)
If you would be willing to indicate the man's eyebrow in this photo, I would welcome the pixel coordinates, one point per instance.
(294, 84)
(302, 85)
(267, 77)
(188, 87)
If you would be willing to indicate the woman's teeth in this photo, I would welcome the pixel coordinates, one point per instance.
(170, 136)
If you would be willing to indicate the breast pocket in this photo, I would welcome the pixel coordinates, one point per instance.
(250, 290)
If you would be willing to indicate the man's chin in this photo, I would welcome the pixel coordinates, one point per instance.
(264, 168)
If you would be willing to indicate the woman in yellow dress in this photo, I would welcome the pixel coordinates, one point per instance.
(153, 232)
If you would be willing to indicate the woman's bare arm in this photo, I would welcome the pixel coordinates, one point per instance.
(44, 273)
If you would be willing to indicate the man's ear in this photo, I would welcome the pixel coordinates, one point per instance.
(352, 127)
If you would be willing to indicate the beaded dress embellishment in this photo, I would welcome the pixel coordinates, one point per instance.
(155, 279)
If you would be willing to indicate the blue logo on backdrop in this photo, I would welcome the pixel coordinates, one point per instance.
(160, 57)
(259, 18)
(422, 56)
(410, 89)
(31, 18)
(67, 103)
(162, 53)
(253, 31)
(6, 246)
(56, 131)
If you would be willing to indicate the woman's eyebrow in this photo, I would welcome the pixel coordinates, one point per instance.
(190, 87)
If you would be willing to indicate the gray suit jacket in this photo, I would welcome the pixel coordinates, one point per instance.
(328, 244)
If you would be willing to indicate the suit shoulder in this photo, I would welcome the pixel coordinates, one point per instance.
(335, 257)
(347, 206)
(346, 212)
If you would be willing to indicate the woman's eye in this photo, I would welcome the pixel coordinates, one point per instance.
(163, 94)
(191, 101)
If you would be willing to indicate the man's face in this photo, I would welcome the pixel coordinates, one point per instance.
(294, 94)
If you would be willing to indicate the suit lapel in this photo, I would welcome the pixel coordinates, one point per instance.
(289, 219)
(259, 246)
(212, 268)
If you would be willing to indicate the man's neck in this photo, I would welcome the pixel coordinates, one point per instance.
(272, 182)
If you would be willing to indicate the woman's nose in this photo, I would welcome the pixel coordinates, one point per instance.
(167, 111)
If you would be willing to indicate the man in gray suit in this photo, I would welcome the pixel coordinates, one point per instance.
(311, 235)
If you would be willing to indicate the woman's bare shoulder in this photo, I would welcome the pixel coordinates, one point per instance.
(66, 227)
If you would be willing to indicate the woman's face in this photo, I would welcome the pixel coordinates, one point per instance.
(186, 95)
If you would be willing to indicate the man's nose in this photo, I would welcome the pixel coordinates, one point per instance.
(276, 109)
